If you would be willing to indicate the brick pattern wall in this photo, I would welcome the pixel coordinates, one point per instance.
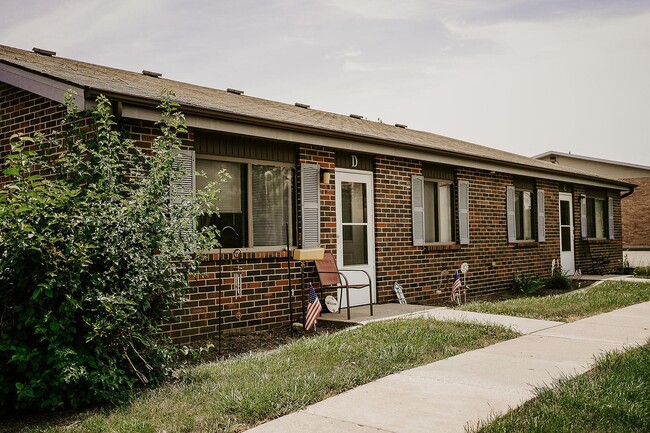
(636, 214)
(22, 112)
(262, 304)
(492, 260)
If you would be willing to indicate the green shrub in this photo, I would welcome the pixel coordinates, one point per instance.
(93, 256)
(558, 280)
(642, 271)
(528, 284)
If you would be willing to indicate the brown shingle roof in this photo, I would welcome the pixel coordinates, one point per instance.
(102, 79)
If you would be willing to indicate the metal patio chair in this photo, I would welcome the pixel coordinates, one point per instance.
(331, 278)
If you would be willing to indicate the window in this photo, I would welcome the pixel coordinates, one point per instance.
(438, 211)
(522, 205)
(597, 215)
(524, 215)
(433, 213)
(257, 201)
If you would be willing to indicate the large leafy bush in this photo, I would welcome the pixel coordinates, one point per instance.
(94, 243)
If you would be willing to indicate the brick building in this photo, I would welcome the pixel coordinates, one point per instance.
(635, 208)
(404, 205)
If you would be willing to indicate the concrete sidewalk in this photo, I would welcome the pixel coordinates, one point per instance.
(448, 395)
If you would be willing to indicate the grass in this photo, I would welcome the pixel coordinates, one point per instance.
(611, 398)
(236, 394)
(571, 306)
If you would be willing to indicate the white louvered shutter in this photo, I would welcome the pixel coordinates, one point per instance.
(310, 205)
(463, 212)
(183, 192)
(417, 209)
(510, 211)
(541, 218)
(610, 216)
(583, 217)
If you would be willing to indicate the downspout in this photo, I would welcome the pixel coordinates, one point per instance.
(629, 193)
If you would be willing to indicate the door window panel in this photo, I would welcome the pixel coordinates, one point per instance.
(354, 218)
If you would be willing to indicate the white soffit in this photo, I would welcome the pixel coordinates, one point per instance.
(42, 86)
(136, 112)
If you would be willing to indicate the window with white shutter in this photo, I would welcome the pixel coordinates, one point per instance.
(597, 215)
(610, 215)
(583, 217)
(417, 209)
(521, 201)
(310, 205)
(541, 217)
(510, 211)
(463, 211)
(182, 191)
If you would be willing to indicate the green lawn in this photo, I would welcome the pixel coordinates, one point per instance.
(236, 394)
(572, 306)
(613, 397)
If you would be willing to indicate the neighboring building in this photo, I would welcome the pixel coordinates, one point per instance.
(635, 207)
(404, 205)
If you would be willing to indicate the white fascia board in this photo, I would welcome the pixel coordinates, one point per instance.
(136, 112)
(40, 85)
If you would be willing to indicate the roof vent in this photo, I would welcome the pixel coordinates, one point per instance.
(235, 91)
(44, 52)
(399, 125)
(298, 104)
(356, 116)
(151, 74)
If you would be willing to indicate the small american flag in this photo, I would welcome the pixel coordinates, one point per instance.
(313, 309)
(455, 286)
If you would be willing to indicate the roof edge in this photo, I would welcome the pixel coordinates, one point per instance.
(590, 158)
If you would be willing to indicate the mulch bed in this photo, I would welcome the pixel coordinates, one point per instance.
(261, 341)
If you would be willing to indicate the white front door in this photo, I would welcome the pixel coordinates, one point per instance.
(355, 232)
(567, 257)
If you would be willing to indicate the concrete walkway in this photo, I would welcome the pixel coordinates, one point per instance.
(448, 395)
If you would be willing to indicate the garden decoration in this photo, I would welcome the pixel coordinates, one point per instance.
(458, 288)
(237, 252)
(332, 304)
(237, 277)
(399, 292)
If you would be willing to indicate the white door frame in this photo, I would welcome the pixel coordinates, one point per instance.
(567, 258)
(357, 297)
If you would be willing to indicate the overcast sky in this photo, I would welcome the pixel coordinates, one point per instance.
(526, 76)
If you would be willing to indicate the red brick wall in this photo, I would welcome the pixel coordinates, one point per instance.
(492, 260)
(636, 214)
(263, 303)
(22, 112)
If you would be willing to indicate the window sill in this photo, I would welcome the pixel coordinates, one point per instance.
(525, 244)
(597, 240)
(251, 253)
(441, 246)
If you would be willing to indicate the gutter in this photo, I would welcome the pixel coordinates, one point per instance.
(92, 93)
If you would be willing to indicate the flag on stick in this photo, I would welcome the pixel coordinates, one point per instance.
(455, 286)
(313, 309)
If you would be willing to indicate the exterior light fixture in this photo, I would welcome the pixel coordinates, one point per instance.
(325, 175)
